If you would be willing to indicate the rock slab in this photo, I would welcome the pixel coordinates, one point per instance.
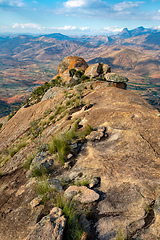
(82, 194)
(51, 227)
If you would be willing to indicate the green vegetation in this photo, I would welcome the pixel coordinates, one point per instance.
(1, 174)
(38, 171)
(72, 72)
(35, 128)
(14, 150)
(73, 230)
(83, 182)
(60, 146)
(28, 161)
(40, 91)
(119, 235)
(42, 187)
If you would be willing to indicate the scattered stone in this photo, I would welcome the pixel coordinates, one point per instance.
(74, 175)
(55, 184)
(35, 202)
(50, 227)
(82, 194)
(68, 164)
(85, 224)
(42, 160)
(94, 181)
(94, 135)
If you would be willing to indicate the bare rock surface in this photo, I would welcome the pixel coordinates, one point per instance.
(82, 194)
(127, 162)
(51, 227)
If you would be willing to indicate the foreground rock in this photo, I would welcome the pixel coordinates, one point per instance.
(51, 227)
(82, 194)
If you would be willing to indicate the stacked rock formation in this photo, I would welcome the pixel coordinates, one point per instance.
(73, 70)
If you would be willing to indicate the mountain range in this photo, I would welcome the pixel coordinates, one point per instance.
(30, 60)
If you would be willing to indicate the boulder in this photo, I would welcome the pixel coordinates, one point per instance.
(116, 78)
(50, 227)
(68, 63)
(82, 194)
(106, 68)
(93, 70)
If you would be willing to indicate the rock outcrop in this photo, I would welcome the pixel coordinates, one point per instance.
(50, 227)
(70, 62)
(114, 144)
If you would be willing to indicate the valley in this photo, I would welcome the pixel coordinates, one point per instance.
(27, 61)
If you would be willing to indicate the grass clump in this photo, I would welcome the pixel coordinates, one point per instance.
(28, 161)
(83, 182)
(1, 174)
(43, 187)
(14, 150)
(119, 235)
(73, 230)
(60, 146)
(38, 171)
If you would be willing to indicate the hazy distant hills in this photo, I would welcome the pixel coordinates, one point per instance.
(27, 61)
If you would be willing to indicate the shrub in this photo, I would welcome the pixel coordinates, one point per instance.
(84, 77)
(78, 74)
(72, 72)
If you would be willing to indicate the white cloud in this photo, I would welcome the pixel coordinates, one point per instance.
(66, 27)
(84, 28)
(157, 28)
(12, 3)
(75, 3)
(113, 29)
(126, 5)
(27, 25)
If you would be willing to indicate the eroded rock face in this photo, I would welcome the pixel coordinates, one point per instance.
(50, 227)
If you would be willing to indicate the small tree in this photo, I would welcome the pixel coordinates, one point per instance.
(72, 72)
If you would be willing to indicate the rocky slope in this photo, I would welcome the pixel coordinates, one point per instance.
(113, 139)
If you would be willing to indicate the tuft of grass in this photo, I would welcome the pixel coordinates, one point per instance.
(28, 161)
(119, 235)
(60, 145)
(83, 182)
(1, 174)
(43, 187)
(14, 150)
(38, 171)
(88, 130)
(73, 230)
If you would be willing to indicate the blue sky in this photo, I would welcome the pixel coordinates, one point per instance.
(77, 17)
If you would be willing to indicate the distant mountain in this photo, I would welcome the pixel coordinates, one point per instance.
(125, 33)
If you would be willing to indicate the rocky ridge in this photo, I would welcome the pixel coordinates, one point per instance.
(105, 169)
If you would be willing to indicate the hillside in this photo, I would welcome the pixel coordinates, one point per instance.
(81, 149)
